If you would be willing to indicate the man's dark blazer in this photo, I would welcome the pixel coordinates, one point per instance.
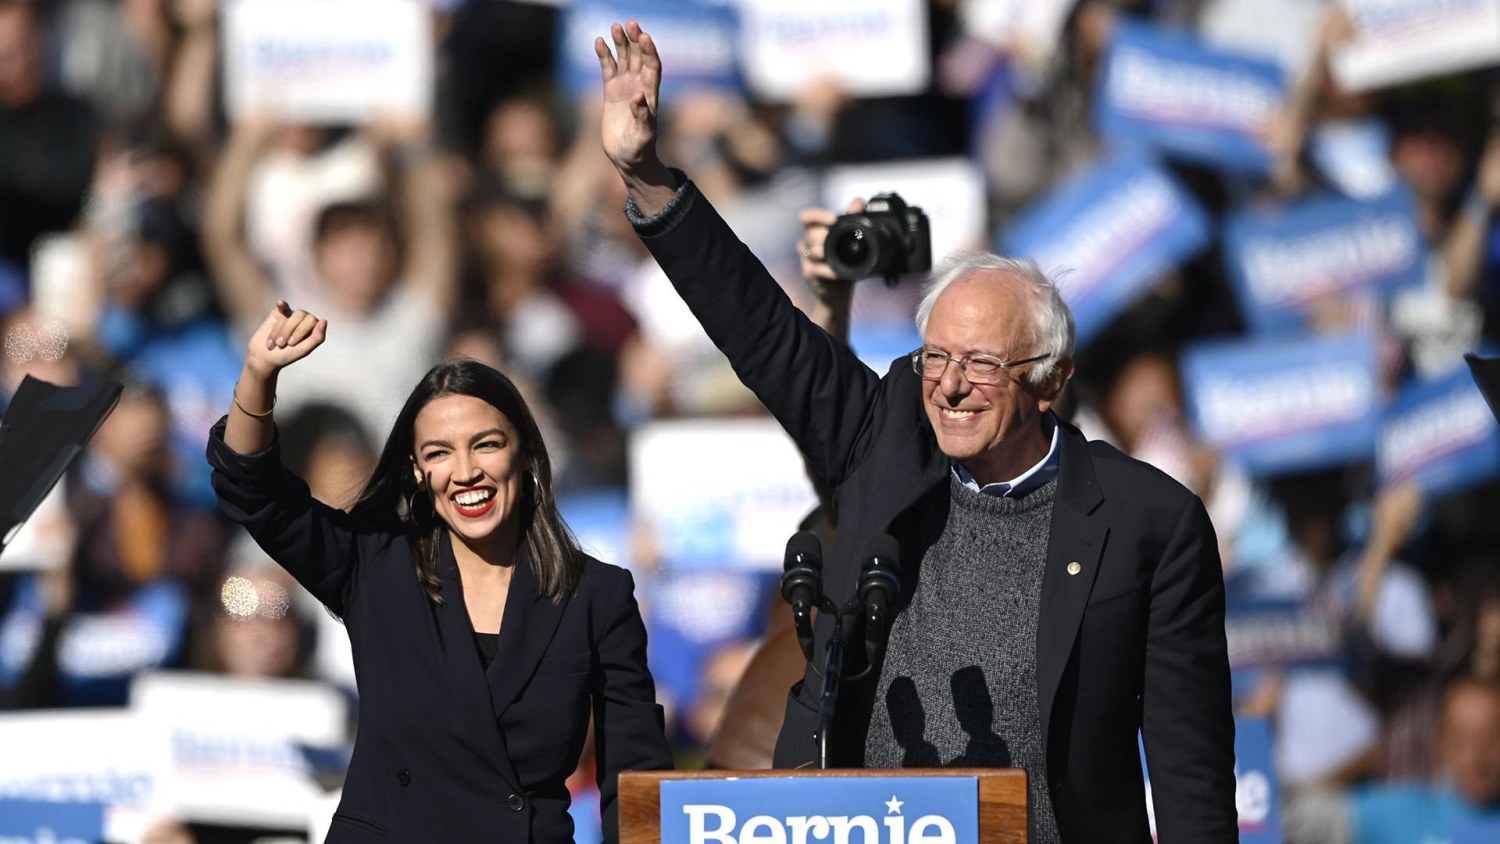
(446, 750)
(1133, 642)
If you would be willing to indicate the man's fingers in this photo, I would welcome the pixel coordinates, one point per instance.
(622, 48)
(607, 67)
(633, 38)
(651, 65)
(856, 205)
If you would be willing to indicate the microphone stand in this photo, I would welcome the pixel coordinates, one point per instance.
(833, 679)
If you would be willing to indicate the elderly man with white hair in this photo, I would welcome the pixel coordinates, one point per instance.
(1060, 597)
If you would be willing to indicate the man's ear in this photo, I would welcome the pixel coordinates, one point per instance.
(1061, 375)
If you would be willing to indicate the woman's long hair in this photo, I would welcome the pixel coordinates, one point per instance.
(392, 492)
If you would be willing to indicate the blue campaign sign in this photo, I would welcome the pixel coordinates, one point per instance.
(1269, 622)
(1107, 234)
(1477, 831)
(1283, 259)
(1285, 405)
(885, 810)
(51, 823)
(1439, 434)
(1195, 102)
(701, 41)
(1254, 784)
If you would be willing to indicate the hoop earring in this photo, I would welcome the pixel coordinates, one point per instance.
(411, 509)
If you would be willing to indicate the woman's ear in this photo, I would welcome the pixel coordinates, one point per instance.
(417, 473)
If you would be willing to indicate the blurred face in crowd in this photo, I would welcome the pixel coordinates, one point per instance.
(255, 632)
(20, 56)
(469, 459)
(336, 470)
(357, 260)
(520, 140)
(1471, 740)
(992, 313)
(34, 346)
(134, 437)
(515, 241)
(1145, 390)
(1430, 161)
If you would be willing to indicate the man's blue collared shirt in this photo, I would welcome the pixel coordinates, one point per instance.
(1034, 478)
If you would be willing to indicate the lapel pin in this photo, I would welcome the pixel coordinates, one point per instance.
(1074, 568)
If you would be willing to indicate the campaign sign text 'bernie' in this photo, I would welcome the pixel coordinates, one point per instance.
(1108, 234)
(1188, 99)
(1439, 434)
(877, 810)
(701, 39)
(1284, 259)
(1288, 405)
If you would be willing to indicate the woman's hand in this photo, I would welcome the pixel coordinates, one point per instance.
(284, 337)
(632, 87)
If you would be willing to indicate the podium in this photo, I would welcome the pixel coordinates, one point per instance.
(1001, 796)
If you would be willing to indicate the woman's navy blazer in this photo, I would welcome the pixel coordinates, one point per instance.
(446, 750)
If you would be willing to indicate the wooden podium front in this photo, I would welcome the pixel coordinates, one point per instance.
(1002, 796)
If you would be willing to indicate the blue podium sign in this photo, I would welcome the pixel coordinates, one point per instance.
(1282, 259)
(1288, 405)
(1106, 235)
(1439, 434)
(1188, 99)
(881, 810)
(28, 821)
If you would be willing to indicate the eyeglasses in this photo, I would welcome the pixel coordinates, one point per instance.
(979, 369)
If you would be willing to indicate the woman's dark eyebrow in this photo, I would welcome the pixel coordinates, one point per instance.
(489, 433)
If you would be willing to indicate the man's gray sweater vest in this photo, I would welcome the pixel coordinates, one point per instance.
(958, 687)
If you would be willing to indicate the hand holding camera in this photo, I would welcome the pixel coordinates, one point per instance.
(886, 238)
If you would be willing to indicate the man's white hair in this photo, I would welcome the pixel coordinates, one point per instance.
(1052, 321)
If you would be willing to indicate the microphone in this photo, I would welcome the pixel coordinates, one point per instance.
(879, 587)
(802, 583)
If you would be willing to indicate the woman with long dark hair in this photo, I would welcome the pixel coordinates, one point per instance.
(483, 637)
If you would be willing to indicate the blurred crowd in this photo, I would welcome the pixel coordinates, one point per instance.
(144, 232)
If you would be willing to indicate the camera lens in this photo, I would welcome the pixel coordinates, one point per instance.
(852, 248)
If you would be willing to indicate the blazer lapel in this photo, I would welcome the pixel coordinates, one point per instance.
(1074, 549)
(474, 699)
(525, 631)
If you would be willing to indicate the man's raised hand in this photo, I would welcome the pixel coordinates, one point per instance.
(632, 85)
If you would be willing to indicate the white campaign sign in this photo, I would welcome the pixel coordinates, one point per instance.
(718, 493)
(1402, 40)
(1029, 30)
(950, 191)
(99, 756)
(234, 744)
(328, 61)
(873, 48)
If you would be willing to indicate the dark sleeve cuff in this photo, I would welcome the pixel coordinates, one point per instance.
(245, 468)
(668, 217)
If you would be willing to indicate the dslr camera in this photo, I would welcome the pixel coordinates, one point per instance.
(889, 238)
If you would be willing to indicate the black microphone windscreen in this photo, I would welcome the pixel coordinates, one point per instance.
(885, 548)
(804, 548)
